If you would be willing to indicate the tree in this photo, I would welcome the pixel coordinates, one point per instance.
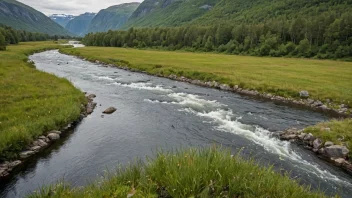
(2, 42)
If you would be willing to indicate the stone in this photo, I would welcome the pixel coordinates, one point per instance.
(91, 96)
(3, 173)
(57, 132)
(53, 136)
(324, 107)
(47, 140)
(288, 137)
(317, 143)
(321, 151)
(317, 103)
(225, 87)
(110, 110)
(336, 151)
(235, 87)
(35, 148)
(310, 101)
(301, 136)
(4, 165)
(42, 137)
(26, 154)
(339, 161)
(309, 137)
(303, 94)
(14, 164)
(328, 143)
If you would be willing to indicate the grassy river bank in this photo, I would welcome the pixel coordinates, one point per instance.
(31, 102)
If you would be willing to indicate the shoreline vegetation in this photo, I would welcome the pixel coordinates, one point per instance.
(205, 172)
(32, 102)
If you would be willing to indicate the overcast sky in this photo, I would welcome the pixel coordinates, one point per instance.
(74, 7)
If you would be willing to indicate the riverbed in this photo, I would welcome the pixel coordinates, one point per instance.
(157, 113)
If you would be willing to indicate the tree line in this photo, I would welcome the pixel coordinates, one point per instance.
(325, 36)
(9, 35)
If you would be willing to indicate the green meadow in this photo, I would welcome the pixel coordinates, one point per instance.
(323, 79)
(208, 172)
(31, 102)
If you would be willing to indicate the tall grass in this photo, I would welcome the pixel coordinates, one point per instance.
(31, 102)
(323, 79)
(209, 172)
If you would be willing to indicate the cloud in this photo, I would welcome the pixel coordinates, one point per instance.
(74, 7)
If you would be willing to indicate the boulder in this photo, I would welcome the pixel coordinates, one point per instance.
(328, 143)
(35, 148)
(309, 137)
(336, 151)
(57, 132)
(317, 143)
(53, 136)
(303, 94)
(301, 136)
(288, 136)
(110, 110)
(42, 137)
(339, 161)
(26, 154)
(225, 87)
(321, 151)
(3, 173)
(91, 96)
(14, 164)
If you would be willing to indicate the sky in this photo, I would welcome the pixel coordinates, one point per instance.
(74, 7)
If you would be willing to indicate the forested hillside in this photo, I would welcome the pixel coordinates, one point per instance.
(9, 35)
(23, 17)
(112, 18)
(153, 13)
(79, 25)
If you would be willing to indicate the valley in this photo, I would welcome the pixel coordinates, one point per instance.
(175, 98)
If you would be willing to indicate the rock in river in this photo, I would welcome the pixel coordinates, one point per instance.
(336, 151)
(110, 110)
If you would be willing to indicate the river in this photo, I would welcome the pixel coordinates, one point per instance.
(154, 113)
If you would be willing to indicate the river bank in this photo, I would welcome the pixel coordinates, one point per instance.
(32, 103)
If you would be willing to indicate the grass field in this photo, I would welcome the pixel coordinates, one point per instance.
(200, 173)
(281, 76)
(31, 101)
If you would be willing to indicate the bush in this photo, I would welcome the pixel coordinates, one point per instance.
(2, 42)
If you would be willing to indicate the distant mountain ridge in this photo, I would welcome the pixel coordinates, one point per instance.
(112, 18)
(61, 19)
(20, 16)
(156, 13)
(79, 25)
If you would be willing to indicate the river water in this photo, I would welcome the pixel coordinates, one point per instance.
(154, 113)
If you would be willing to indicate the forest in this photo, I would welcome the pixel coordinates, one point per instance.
(324, 36)
(9, 35)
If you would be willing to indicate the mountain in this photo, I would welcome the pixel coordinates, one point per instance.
(79, 25)
(153, 13)
(20, 16)
(256, 11)
(112, 18)
(61, 19)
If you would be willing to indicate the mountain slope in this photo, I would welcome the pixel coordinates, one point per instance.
(61, 19)
(20, 16)
(79, 25)
(255, 11)
(152, 13)
(112, 18)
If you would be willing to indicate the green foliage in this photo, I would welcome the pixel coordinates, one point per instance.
(32, 102)
(209, 172)
(2, 42)
(23, 17)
